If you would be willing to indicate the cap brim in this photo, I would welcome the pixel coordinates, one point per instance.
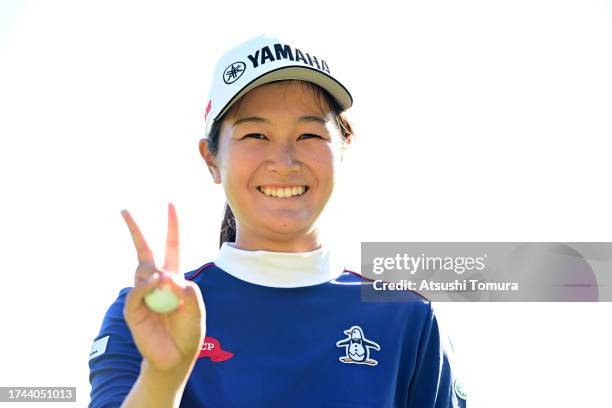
(335, 88)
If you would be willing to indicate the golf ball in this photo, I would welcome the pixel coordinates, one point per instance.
(162, 300)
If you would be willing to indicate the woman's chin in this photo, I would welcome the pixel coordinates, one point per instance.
(286, 224)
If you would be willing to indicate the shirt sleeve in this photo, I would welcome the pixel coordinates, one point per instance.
(435, 382)
(114, 360)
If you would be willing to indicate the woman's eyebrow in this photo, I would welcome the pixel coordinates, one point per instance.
(251, 119)
(311, 118)
(257, 119)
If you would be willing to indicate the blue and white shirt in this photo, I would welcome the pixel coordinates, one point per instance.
(290, 329)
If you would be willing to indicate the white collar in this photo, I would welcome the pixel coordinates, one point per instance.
(280, 269)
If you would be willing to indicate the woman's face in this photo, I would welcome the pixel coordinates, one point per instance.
(277, 160)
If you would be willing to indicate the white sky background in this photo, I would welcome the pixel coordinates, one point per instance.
(479, 121)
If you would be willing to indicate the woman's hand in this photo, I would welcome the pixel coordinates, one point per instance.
(166, 341)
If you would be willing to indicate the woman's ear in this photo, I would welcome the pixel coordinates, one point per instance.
(211, 161)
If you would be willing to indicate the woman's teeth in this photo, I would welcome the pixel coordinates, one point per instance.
(283, 192)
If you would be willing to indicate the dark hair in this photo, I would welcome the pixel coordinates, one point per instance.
(228, 225)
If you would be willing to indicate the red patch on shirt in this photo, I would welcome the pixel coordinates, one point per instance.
(212, 348)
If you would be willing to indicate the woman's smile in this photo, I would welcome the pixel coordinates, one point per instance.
(284, 192)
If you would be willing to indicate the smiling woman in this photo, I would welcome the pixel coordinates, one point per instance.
(284, 140)
(275, 320)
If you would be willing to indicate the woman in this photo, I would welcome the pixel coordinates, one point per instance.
(283, 324)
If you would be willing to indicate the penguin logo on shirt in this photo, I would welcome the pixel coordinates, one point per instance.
(357, 347)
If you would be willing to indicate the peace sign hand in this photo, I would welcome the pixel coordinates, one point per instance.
(170, 340)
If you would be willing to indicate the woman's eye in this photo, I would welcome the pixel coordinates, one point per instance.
(255, 136)
(309, 135)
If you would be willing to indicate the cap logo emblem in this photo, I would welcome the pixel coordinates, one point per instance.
(285, 52)
(234, 72)
(208, 108)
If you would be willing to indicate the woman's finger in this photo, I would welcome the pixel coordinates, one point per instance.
(144, 272)
(171, 262)
(142, 249)
(171, 281)
(134, 298)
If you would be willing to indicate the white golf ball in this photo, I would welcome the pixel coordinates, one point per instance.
(162, 300)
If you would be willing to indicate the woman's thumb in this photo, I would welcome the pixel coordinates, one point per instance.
(135, 296)
(192, 297)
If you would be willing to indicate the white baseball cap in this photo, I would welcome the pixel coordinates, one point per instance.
(265, 59)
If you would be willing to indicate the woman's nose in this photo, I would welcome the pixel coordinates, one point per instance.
(283, 161)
